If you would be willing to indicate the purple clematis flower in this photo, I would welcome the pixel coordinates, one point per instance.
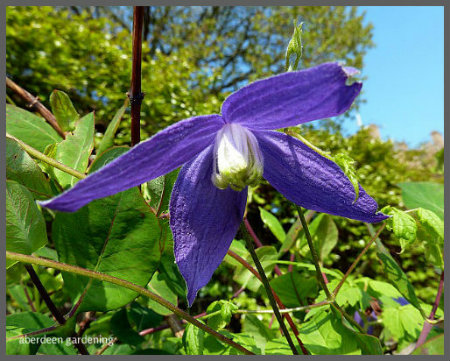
(223, 154)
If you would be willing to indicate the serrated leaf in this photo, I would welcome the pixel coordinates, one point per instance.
(223, 318)
(117, 235)
(432, 224)
(273, 224)
(25, 225)
(431, 232)
(29, 128)
(193, 340)
(347, 164)
(397, 277)
(20, 167)
(402, 224)
(74, 151)
(427, 195)
(63, 110)
(108, 137)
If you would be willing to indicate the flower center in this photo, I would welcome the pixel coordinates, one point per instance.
(237, 159)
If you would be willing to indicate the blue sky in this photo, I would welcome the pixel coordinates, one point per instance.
(405, 85)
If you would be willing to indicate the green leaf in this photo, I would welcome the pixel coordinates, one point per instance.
(432, 224)
(292, 234)
(273, 224)
(402, 224)
(21, 323)
(267, 255)
(160, 189)
(369, 345)
(25, 225)
(401, 321)
(20, 167)
(222, 319)
(63, 110)
(347, 164)
(427, 195)
(117, 235)
(258, 330)
(326, 334)
(160, 285)
(434, 346)
(431, 232)
(17, 292)
(121, 328)
(143, 317)
(108, 137)
(74, 151)
(30, 128)
(294, 288)
(193, 340)
(397, 277)
(324, 234)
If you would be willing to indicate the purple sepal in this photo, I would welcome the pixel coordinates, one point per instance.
(312, 181)
(162, 153)
(292, 98)
(204, 221)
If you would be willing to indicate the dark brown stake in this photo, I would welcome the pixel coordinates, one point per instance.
(51, 306)
(34, 103)
(135, 93)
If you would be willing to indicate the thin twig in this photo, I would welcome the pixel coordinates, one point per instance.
(314, 255)
(43, 292)
(51, 306)
(135, 93)
(426, 325)
(126, 284)
(352, 267)
(29, 300)
(33, 102)
(268, 289)
(258, 242)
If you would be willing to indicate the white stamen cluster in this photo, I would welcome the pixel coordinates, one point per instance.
(237, 158)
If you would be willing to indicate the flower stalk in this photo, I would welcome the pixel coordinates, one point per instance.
(135, 93)
(268, 289)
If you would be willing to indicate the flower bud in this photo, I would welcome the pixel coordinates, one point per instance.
(237, 158)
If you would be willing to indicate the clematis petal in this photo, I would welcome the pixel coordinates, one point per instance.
(162, 153)
(204, 220)
(292, 98)
(311, 180)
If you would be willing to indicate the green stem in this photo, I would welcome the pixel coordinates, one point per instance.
(126, 284)
(320, 277)
(314, 255)
(41, 156)
(266, 285)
